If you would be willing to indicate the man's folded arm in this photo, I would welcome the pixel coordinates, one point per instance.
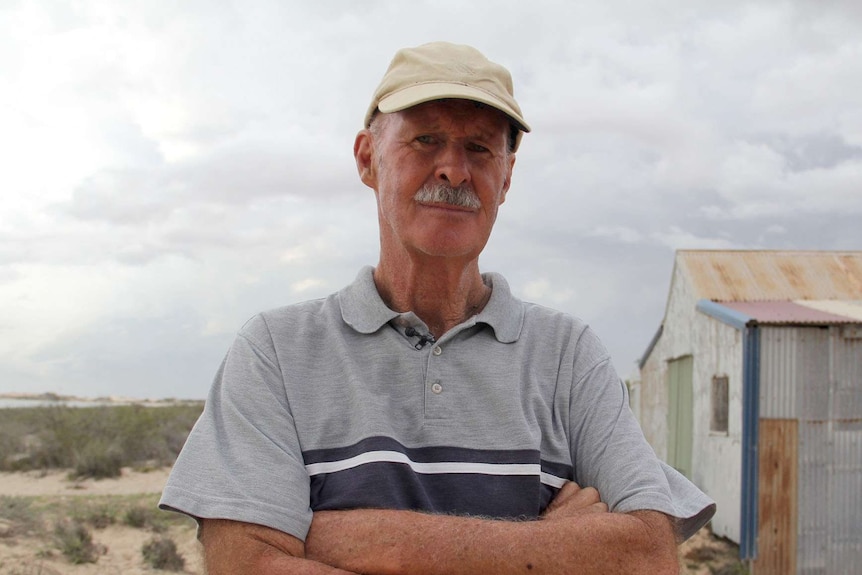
(573, 537)
(237, 548)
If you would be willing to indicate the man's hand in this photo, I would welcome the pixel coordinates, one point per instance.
(572, 501)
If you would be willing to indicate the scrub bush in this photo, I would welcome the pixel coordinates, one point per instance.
(149, 517)
(94, 441)
(161, 553)
(75, 541)
(17, 516)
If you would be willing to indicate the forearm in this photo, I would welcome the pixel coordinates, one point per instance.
(236, 548)
(398, 542)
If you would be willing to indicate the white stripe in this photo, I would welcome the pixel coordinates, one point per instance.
(426, 468)
(553, 480)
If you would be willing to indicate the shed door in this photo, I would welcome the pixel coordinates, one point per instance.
(680, 414)
(778, 455)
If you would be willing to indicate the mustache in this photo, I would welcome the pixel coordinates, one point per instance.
(462, 196)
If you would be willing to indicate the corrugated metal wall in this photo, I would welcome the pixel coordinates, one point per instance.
(815, 375)
(845, 529)
(814, 508)
(794, 376)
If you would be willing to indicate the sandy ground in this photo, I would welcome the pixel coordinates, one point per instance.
(20, 555)
(121, 545)
(122, 554)
(57, 483)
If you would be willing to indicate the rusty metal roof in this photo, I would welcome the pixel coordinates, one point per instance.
(762, 275)
(787, 312)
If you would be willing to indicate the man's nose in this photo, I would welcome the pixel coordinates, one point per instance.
(453, 165)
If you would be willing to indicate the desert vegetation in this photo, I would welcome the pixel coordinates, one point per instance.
(72, 530)
(41, 532)
(94, 441)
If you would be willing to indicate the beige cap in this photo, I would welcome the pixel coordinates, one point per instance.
(442, 70)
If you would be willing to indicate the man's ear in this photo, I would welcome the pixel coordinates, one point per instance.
(510, 161)
(366, 163)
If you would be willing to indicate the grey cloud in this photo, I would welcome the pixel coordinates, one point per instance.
(168, 356)
(812, 151)
(229, 174)
(120, 196)
(223, 139)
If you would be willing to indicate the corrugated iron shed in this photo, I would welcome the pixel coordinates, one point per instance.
(787, 312)
(741, 275)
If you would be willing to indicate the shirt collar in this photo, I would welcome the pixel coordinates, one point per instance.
(364, 310)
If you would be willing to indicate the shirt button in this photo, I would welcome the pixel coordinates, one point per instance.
(436, 387)
(437, 350)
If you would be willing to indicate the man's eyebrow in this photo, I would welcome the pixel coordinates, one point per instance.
(476, 134)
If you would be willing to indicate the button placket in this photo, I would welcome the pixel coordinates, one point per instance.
(437, 399)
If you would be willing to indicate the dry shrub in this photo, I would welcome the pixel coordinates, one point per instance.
(75, 541)
(702, 554)
(98, 459)
(17, 516)
(161, 553)
(136, 517)
(146, 517)
(734, 568)
(100, 516)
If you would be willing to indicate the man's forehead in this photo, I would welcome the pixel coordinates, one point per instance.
(443, 113)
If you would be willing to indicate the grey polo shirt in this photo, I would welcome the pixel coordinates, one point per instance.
(341, 403)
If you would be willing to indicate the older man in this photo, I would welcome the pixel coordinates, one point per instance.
(423, 419)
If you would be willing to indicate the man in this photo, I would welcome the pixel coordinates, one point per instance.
(424, 420)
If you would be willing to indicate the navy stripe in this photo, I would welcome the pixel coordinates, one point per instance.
(431, 454)
(394, 486)
(492, 483)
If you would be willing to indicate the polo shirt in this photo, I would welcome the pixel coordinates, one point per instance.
(343, 403)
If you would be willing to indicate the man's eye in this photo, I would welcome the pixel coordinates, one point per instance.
(425, 139)
(477, 148)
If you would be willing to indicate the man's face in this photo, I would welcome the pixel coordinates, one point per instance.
(453, 143)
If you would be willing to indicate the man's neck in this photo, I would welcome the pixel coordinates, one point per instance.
(442, 292)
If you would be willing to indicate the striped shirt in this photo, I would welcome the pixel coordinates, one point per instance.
(342, 403)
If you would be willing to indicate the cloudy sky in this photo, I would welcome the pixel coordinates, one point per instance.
(171, 168)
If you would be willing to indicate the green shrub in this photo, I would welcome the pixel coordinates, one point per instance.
(75, 541)
(99, 458)
(100, 516)
(136, 517)
(94, 441)
(150, 517)
(161, 553)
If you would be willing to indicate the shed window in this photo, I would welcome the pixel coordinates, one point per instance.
(718, 421)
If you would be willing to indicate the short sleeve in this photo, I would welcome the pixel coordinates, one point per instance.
(242, 460)
(611, 453)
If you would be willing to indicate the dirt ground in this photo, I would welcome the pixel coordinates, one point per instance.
(121, 545)
(57, 483)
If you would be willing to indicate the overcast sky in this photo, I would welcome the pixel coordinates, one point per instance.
(171, 168)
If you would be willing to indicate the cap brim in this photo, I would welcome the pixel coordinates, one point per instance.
(428, 91)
